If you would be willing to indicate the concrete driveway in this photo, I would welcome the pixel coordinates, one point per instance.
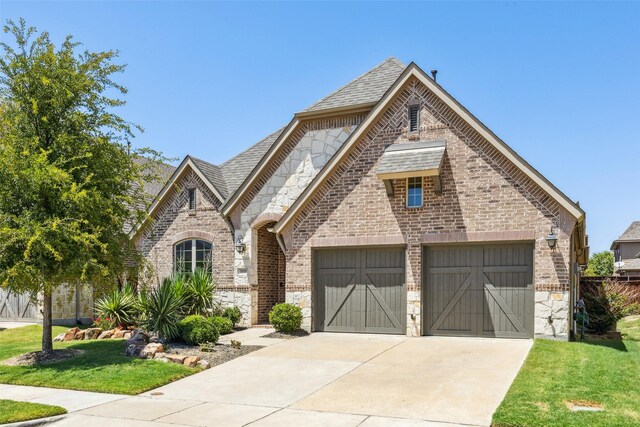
(334, 379)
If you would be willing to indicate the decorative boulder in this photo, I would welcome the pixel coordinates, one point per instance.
(127, 335)
(70, 335)
(119, 333)
(92, 333)
(135, 343)
(204, 364)
(175, 358)
(191, 361)
(59, 337)
(106, 334)
(151, 349)
(80, 335)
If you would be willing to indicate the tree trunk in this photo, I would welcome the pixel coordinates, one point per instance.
(47, 339)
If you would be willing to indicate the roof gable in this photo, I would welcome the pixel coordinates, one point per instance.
(415, 71)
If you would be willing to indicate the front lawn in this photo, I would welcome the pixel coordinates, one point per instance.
(595, 372)
(103, 367)
(13, 412)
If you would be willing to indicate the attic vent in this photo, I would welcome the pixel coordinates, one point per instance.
(192, 199)
(414, 118)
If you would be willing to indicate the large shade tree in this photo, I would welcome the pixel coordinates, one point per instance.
(70, 186)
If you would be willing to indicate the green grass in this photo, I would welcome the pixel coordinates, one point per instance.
(604, 372)
(13, 412)
(103, 367)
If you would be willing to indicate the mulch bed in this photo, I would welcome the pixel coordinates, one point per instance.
(41, 358)
(219, 355)
(287, 336)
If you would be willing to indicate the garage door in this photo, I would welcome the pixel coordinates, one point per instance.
(360, 290)
(479, 290)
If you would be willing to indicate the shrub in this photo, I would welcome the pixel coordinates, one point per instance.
(285, 317)
(195, 292)
(233, 314)
(608, 302)
(222, 324)
(161, 310)
(197, 329)
(103, 323)
(119, 306)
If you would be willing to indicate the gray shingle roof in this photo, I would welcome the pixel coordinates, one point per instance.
(163, 172)
(632, 232)
(213, 174)
(236, 169)
(630, 264)
(412, 157)
(369, 87)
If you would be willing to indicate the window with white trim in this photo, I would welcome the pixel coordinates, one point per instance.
(414, 192)
(192, 254)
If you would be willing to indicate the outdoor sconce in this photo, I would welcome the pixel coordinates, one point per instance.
(240, 246)
(552, 239)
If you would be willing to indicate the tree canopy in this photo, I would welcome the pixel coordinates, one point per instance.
(600, 264)
(70, 186)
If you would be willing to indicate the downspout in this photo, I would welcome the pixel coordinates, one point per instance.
(281, 243)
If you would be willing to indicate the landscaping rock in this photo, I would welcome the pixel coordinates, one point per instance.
(70, 335)
(136, 342)
(92, 333)
(80, 335)
(119, 333)
(175, 358)
(204, 364)
(191, 361)
(106, 334)
(127, 335)
(150, 350)
(59, 337)
(159, 355)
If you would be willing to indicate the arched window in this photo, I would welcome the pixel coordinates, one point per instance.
(192, 254)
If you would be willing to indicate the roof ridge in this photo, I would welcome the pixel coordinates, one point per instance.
(391, 59)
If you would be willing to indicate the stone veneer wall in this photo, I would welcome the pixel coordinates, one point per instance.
(482, 191)
(302, 156)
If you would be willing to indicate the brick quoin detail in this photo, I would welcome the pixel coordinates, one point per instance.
(482, 192)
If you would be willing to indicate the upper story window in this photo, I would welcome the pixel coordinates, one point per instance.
(414, 118)
(192, 199)
(192, 254)
(414, 192)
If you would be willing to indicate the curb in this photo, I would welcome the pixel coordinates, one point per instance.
(36, 422)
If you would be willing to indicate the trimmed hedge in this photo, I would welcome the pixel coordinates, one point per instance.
(222, 324)
(286, 317)
(233, 314)
(198, 329)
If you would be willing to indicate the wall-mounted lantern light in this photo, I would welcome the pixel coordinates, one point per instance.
(552, 239)
(240, 246)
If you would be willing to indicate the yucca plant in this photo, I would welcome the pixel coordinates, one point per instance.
(161, 310)
(198, 298)
(120, 306)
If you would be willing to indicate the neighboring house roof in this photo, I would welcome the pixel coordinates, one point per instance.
(631, 234)
(163, 172)
(630, 265)
(413, 70)
(367, 88)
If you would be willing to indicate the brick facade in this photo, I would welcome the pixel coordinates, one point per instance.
(271, 273)
(482, 191)
(173, 222)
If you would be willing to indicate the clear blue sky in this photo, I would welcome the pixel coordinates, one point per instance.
(559, 82)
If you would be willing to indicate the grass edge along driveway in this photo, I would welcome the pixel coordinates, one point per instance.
(13, 412)
(102, 368)
(603, 372)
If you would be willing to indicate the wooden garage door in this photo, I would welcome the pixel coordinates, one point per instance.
(360, 290)
(479, 290)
